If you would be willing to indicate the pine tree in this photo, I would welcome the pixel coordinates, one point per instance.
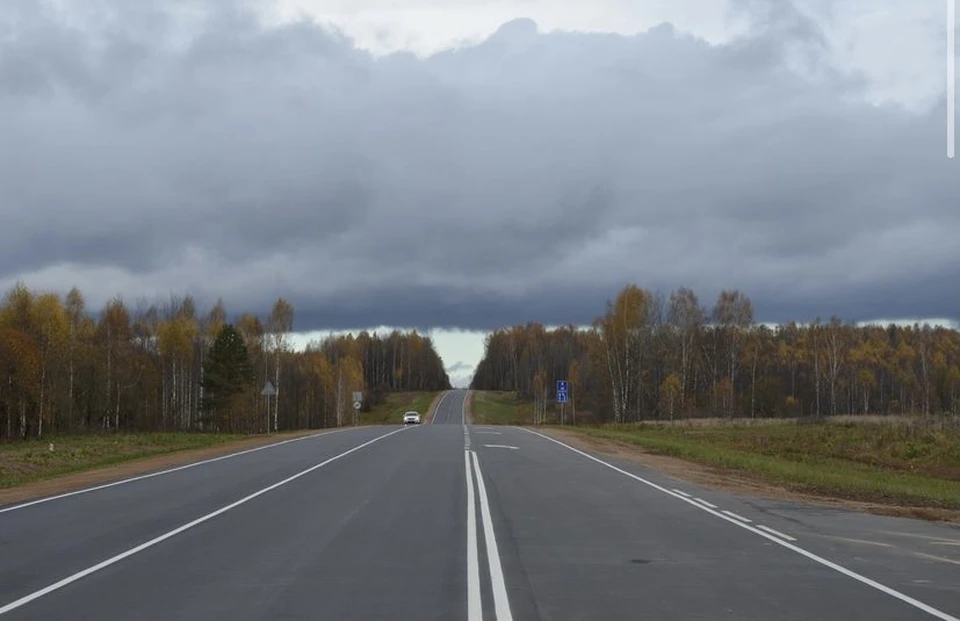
(227, 374)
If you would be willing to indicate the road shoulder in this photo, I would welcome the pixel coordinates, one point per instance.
(136, 467)
(717, 479)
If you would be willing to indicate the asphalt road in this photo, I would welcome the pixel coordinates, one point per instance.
(447, 522)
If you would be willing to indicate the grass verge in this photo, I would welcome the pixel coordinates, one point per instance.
(500, 408)
(901, 464)
(391, 411)
(33, 460)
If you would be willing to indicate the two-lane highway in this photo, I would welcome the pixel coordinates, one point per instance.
(441, 521)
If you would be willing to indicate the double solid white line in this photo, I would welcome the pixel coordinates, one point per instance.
(501, 602)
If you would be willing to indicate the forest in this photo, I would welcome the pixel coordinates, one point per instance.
(142, 368)
(655, 356)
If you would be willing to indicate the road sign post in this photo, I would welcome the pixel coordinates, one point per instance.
(357, 404)
(268, 391)
(561, 396)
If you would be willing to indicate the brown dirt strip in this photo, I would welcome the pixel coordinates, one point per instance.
(736, 483)
(146, 465)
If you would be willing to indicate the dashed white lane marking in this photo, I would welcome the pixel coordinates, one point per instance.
(683, 493)
(939, 614)
(506, 446)
(776, 532)
(737, 517)
(704, 502)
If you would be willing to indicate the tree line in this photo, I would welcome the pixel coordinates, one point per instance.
(147, 367)
(652, 356)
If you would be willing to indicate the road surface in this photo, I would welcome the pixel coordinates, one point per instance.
(449, 522)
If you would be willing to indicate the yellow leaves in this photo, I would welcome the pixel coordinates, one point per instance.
(352, 372)
(176, 337)
(51, 320)
(539, 382)
(20, 358)
(866, 377)
(249, 326)
(631, 309)
(115, 321)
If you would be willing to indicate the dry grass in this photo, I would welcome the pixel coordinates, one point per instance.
(898, 461)
(22, 461)
(499, 408)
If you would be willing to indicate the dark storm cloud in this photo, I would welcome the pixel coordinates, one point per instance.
(190, 147)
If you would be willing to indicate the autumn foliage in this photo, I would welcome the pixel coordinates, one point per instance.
(63, 370)
(654, 356)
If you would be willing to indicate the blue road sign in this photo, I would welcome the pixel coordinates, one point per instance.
(561, 397)
(561, 385)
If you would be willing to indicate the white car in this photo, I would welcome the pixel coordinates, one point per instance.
(411, 418)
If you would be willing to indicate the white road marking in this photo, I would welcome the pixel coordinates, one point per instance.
(492, 433)
(436, 410)
(737, 517)
(463, 409)
(704, 502)
(683, 493)
(776, 532)
(506, 446)
(474, 604)
(176, 531)
(810, 555)
(141, 477)
(500, 602)
(466, 437)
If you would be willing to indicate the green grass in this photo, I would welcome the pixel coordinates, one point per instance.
(391, 411)
(32, 460)
(915, 464)
(500, 408)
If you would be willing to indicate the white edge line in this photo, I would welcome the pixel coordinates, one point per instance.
(150, 475)
(810, 555)
(474, 603)
(737, 517)
(436, 410)
(776, 532)
(951, 76)
(704, 502)
(200, 520)
(683, 493)
(501, 603)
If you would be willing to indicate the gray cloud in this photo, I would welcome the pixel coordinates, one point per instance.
(188, 147)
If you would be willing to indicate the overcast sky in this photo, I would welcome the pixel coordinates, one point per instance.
(474, 164)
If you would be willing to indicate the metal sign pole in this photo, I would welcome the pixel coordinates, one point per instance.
(268, 391)
(561, 396)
